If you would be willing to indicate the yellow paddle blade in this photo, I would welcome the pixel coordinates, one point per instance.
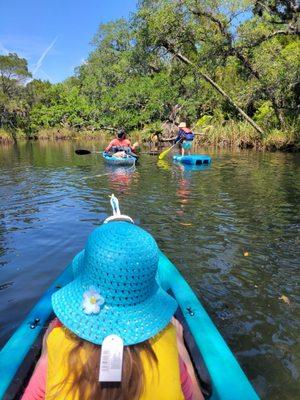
(164, 153)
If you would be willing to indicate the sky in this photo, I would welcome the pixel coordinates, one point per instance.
(54, 35)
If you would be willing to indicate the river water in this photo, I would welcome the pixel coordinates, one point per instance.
(232, 229)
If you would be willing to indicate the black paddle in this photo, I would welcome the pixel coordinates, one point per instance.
(82, 152)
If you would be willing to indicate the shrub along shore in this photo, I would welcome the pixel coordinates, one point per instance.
(52, 134)
(232, 135)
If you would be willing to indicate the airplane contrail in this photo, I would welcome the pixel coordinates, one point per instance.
(41, 59)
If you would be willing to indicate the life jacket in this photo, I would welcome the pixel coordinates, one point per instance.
(127, 149)
(186, 134)
(161, 382)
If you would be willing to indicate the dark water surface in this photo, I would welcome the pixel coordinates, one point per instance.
(205, 221)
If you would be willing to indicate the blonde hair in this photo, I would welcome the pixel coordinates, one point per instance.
(84, 375)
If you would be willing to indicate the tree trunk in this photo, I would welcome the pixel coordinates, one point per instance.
(221, 91)
(228, 36)
(279, 114)
(267, 91)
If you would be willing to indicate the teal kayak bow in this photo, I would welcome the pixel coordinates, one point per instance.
(227, 380)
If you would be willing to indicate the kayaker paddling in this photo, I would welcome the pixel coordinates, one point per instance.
(185, 138)
(121, 146)
(115, 296)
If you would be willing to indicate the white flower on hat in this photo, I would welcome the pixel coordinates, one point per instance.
(92, 301)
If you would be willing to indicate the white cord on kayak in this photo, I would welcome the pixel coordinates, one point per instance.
(117, 216)
(115, 205)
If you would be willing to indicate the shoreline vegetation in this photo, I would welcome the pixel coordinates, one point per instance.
(231, 70)
(232, 135)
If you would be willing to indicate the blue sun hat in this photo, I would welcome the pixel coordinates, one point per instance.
(77, 262)
(117, 216)
(115, 290)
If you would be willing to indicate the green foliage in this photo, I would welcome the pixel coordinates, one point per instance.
(138, 101)
(230, 133)
(203, 121)
(13, 105)
(5, 137)
(61, 107)
(13, 68)
(265, 115)
(149, 130)
(277, 139)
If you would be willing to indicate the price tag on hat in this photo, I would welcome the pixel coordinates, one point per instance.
(111, 360)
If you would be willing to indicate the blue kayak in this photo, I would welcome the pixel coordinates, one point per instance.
(220, 375)
(193, 159)
(119, 161)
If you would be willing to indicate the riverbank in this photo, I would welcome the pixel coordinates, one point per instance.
(242, 135)
(53, 134)
(225, 135)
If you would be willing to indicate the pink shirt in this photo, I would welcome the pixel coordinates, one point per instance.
(118, 142)
(37, 385)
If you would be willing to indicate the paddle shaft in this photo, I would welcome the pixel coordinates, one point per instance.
(165, 152)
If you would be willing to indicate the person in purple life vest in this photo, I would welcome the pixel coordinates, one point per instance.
(185, 138)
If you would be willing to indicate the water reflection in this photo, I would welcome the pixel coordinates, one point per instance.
(183, 191)
(185, 174)
(196, 168)
(163, 164)
(120, 178)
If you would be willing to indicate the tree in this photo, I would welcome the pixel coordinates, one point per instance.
(13, 105)
(171, 27)
(109, 64)
(280, 12)
(224, 60)
(238, 47)
(13, 71)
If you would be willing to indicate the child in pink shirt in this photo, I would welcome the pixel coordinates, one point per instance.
(36, 388)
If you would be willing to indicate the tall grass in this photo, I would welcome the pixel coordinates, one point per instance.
(92, 135)
(242, 135)
(5, 137)
(279, 140)
(68, 134)
(53, 134)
